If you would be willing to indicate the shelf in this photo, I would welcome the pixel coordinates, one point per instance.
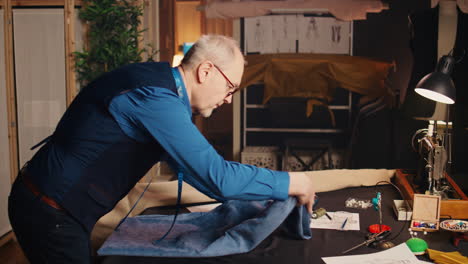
(286, 117)
(262, 128)
(332, 107)
(339, 107)
(294, 130)
(256, 106)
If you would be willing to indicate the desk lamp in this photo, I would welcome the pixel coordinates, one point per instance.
(438, 85)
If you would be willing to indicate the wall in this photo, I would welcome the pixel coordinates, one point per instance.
(4, 142)
(190, 24)
(187, 23)
(40, 75)
(384, 137)
(40, 88)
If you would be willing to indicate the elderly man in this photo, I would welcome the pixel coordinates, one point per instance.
(115, 130)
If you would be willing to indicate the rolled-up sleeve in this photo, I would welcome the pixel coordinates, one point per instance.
(163, 115)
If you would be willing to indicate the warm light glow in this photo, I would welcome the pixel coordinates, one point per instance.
(177, 59)
(434, 96)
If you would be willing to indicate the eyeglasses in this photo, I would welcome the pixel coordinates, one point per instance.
(234, 88)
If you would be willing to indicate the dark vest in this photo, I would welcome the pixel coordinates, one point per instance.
(89, 163)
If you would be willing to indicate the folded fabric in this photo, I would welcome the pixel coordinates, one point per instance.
(441, 257)
(231, 228)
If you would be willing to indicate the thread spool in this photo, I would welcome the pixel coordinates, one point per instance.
(318, 213)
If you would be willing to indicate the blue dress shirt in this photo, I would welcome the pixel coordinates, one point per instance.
(150, 113)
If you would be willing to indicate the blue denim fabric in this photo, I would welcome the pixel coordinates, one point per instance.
(45, 234)
(232, 228)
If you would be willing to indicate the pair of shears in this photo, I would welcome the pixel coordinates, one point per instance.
(370, 239)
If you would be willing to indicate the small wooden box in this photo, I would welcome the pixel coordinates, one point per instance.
(426, 212)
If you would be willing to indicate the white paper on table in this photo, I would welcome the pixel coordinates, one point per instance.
(203, 208)
(338, 218)
(400, 254)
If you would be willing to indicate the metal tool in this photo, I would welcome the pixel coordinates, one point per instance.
(371, 239)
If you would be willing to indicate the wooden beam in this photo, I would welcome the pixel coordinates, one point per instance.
(151, 24)
(70, 76)
(141, 26)
(37, 3)
(147, 22)
(42, 2)
(10, 88)
(166, 32)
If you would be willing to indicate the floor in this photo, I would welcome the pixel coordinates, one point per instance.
(11, 253)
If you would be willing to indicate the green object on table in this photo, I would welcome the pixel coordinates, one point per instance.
(417, 245)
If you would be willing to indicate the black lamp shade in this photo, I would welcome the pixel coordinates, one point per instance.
(438, 86)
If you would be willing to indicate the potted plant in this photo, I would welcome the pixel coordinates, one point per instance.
(112, 37)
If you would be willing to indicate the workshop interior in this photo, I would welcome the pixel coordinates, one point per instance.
(369, 98)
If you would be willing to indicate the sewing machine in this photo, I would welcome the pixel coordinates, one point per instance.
(433, 145)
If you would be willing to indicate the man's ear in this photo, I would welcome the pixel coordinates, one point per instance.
(204, 70)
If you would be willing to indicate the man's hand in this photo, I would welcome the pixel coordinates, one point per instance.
(301, 187)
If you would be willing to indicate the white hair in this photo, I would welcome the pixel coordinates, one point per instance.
(219, 49)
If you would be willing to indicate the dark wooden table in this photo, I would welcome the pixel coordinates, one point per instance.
(280, 248)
